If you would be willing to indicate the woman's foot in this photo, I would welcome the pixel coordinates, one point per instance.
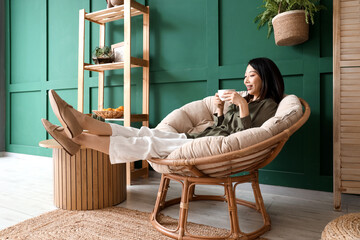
(60, 136)
(63, 112)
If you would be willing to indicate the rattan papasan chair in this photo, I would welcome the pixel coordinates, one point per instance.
(215, 161)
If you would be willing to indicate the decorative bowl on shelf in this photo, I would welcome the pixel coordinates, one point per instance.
(109, 114)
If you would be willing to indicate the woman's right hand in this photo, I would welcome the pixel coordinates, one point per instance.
(219, 105)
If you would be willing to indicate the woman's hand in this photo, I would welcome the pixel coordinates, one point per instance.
(237, 99)
(234, 98)
(219, 105)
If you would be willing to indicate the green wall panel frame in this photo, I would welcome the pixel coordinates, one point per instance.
(28, 22)
(196, 47)
(25, 118)
(63, 39)
(181, 34)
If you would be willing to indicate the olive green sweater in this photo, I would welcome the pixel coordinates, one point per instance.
(259, 112)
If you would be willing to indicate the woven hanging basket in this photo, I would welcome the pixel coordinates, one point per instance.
(290, 28)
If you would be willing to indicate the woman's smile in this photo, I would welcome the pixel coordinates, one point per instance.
(249, 87)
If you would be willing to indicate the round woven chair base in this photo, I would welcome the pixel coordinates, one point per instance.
(346, 227)
(188, 195)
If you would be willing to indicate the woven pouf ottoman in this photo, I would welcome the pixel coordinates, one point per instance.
(346, 227)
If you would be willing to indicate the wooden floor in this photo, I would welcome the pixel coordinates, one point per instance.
(26, 186)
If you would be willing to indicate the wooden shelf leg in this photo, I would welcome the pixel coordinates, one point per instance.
(146, 81)
(101, 74)
(127, 63)
(146, 57)
(80, 105)
(128, 173)
(145, 165)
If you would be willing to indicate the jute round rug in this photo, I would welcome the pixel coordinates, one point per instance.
(108, 223)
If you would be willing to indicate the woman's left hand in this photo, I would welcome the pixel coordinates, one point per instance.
(234, 98)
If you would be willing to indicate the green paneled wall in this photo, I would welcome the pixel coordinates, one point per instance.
(196, 47)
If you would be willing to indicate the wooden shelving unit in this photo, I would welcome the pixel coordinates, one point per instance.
(128, 9)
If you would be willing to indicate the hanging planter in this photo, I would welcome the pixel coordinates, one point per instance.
(290, 28)
(289, 18)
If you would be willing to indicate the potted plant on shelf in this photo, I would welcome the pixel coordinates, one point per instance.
(103, 55)
(289, 18)
(114, 3)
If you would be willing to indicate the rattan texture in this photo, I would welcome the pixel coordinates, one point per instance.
(346, 227)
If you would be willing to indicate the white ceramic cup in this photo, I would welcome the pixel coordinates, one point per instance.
(222, 91)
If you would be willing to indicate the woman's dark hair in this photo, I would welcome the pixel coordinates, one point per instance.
(272, 80)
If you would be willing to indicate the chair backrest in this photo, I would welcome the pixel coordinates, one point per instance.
(224, 156)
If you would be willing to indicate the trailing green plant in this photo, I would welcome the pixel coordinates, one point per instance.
(104, 52)
(274, 7)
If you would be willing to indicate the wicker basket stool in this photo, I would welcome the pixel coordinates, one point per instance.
(346, 227)
(219, 170)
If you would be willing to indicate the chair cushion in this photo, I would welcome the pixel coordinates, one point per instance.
(289, 111)
(192, 117)
(196, 116)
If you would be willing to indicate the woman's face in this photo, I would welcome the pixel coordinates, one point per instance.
(252, 82)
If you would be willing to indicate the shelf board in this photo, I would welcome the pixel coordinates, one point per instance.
(134, 118)
(135, 62)
(115, 13)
